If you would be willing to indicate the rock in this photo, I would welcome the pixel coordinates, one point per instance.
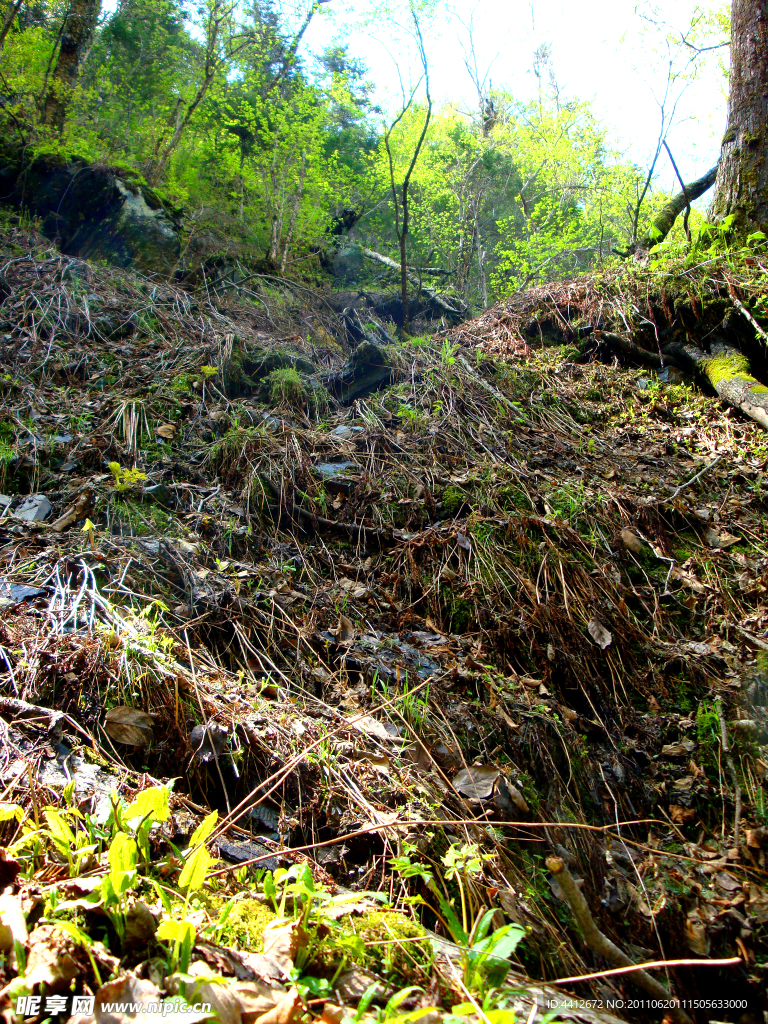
(5, 503)
(159, 494)
(208, 741)
(346, 433)
(238, 853)
(13, 594)
(35, 509)
(367, 370)
(95, 211)
(338, 477)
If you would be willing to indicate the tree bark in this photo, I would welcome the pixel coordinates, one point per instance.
(742, 180)
(728, 371)
(78, 29)
(665, 219)
(13, 10)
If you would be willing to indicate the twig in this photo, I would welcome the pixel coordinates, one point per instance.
(602, 945)
(693, 479)
(745, 312)
(732, 770)
(651, 965)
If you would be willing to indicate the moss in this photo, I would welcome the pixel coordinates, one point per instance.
(386, 956)
(727, 367)
(245, 924)
(453, 500)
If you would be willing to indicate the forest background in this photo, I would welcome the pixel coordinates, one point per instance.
(282, 127)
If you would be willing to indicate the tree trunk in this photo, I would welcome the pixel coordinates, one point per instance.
(728, 371)
(742, 181)
(13, 10)
(78, 29)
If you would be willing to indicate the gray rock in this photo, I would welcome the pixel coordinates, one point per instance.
(34, 509)
(346, 433)
(338, 476)
(158, 493)
(13, 594)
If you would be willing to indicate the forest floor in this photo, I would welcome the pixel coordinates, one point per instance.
(507, 608)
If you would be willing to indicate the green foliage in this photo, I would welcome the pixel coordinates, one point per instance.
(287, 390)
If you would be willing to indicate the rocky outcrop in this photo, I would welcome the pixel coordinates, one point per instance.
(94, 211)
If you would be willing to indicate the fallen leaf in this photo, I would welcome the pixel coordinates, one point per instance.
(631, 542)
(477, 782)
(128, 989)
(283, 939)
(345, 631)
(166, 430)
(130, 726)
(602, 637)
(51, 959)
(13, 925)
(720, 538)
(290, 1008)
(727, 882)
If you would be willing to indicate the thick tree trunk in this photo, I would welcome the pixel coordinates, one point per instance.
(728, 371)
(742, 181)
(78, 29)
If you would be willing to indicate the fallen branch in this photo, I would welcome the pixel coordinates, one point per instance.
(602, 945)
(460, 310)
(728, 371)
(665, 219)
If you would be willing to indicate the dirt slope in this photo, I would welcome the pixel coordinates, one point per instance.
(518, 590)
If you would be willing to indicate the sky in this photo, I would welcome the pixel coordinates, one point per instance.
(600, 52)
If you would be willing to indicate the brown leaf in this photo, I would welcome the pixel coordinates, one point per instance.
(631, 542)
(720, 538)
(476, 782)
(602, 636)
(166, 430)
(51, 959)
(345, 631)
(128, 989)
(130, 726)
(13, 924)
(283, 939)
(290, 1008)
(727, 882)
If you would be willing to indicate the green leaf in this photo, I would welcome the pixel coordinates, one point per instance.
(204, 829)
(74, 932)
(123, 854)
(176, 931)
(10, 811)
(150, 803)
(194, 872)
(60, 832)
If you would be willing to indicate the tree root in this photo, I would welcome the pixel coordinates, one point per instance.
(602, 945)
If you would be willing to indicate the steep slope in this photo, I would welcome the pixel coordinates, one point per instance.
(492, 610)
